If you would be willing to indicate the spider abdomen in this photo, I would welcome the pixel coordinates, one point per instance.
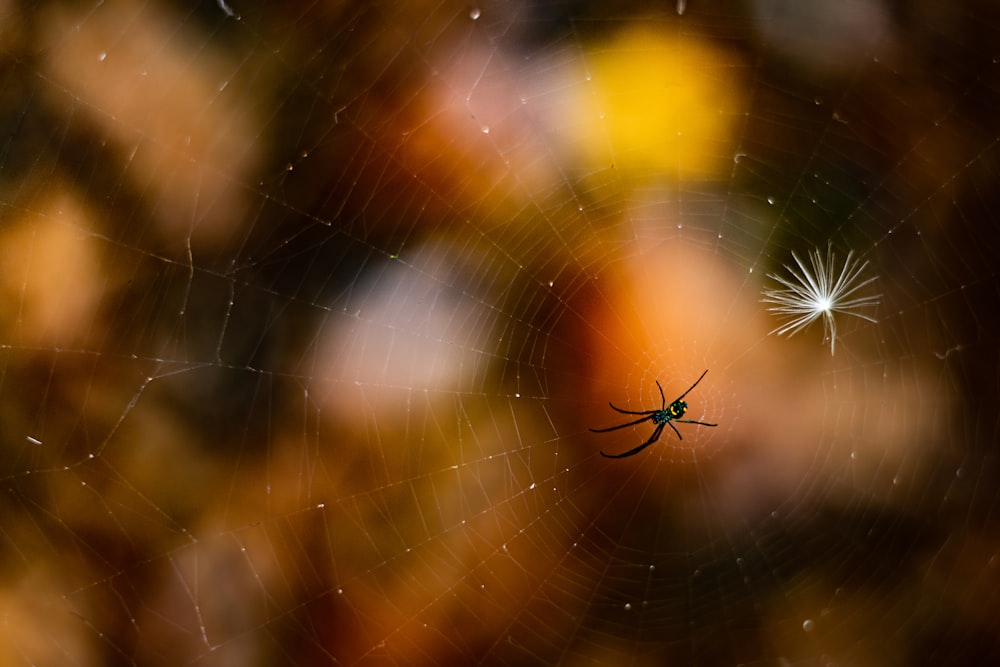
(676, 410)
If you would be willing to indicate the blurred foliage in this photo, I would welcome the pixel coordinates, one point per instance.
(305, 313)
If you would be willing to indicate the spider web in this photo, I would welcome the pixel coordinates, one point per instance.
(308, 309)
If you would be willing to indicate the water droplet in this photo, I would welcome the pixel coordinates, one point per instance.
(628, 606)
(808, 625)
(474, 14)
(770, 200)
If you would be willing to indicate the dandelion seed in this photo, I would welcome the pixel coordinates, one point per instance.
(821, 292)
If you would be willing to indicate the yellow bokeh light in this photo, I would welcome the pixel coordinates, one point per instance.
(658, 105)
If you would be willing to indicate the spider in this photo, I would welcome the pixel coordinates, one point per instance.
(665, 416)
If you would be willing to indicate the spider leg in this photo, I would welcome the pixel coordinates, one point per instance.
(691, 387)
(663, 400)
(615, 428)
(653, 438)
(630, 412)
(691, 421)
(675, 429)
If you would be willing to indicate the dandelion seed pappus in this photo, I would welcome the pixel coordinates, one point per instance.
(819, 290)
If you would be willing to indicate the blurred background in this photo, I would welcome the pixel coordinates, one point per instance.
(307, 310)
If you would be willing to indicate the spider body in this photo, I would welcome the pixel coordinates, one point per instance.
(665, 416)
(670, 414)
